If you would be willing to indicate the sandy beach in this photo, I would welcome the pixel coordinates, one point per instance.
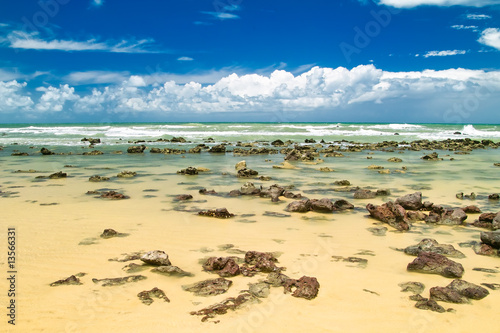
(58, 227)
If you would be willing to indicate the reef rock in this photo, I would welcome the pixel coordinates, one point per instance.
(390, 213)
(433, 263)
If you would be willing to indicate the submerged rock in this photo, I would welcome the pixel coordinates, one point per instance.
(98, 179)
(113, 195)
(109, 233)
(433, 263)
(126, 174)
(220, 213)
(446, 216)
(118, 281)
(413, 287)
(209, 287)
(146, 296)
(188, 171)
(58, 175)
(136, 149)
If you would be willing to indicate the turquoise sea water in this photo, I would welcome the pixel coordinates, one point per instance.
(116, 133)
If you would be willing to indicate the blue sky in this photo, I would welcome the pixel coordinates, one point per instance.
(241, 60)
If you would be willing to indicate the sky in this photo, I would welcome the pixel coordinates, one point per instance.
(394, 61)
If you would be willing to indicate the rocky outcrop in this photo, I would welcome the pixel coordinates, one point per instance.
(156, 258)
(390, 213)
(217, 149)
(45, 151)
(491, 238)
(188, 171)
(224, 266)
(220, 213)
(246, 173)
(431, 245)
(305, 287)
(301, 206)
(183, 197)
(446, 216)
(488, 220)
(322, 205)
(209, 287)
(433, 263)
(410, 201)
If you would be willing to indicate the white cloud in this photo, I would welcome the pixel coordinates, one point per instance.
(490, 37)
(12, 98)
(478, 17)
(96, 77)
(443, 53)
(222, 15)
(465, 27)
(33, 41)
(185, 59)
(53, 99)
(444, 3)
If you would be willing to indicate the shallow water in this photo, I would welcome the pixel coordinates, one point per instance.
(58, 227)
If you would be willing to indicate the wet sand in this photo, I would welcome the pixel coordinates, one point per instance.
(58, 227)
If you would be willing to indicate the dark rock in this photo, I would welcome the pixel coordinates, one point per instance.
(234, 193)
(58, 175)
(109, 233)
(494, 196)
(195, 150)
(342, 182)
(224, 266)
(491, 238)
(471, 209)
(188, 171)
(136, 149)
(92, 141)
(118, 281)
(146, 296)
(217, 149)
(413, 287)
(299, 206)
(183, 197)
(126, 174)
(249, 189)
(20, 154)
(231, 303)
(447, 295)
(432, 157)
(342, 205)
(113, 195)
(306, 287)
(486, 270)
(290, 195)
(383, 193)
(45, 151)
(469, 290)
(390, 213)
(220, 213)
(485, 250)
(427, 205)
(429, 305)
(262, 261)
(98, 179)
(72, 280)
(204, 191)
(411, 201)
(395, 160)
(277, 143)
(171, 271)
(492, 286)
(322, 206)
(209, 287)
(446, 216)
(246, 173)
(156, 258)
(434, 263)
(364, 194)
(93, 153)
(431, 245)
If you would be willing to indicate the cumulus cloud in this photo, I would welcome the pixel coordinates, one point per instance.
(444, 53)
(318, 89)
(444, 3)
(96, 77)
(490, 37)
(13, 98)
(18, 39)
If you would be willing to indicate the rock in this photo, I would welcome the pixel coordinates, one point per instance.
(133, 268)
(93, 153)
(469, 290)
(278, 143)
(322, 206)
(92, 141)
(260, 289)
(299, 206)
(384, 171)
(491, 238)
(326, 169)
(342, 182)
(440, 215)
(390, 213)
(276, 279)
(431, 245)
(224, 266)
(156, 258)
(249, 189)
(136, 149)
(217, 149)
(377, 231)
(231, 303)
(98, 179)
(285, 165)
(209, 287)
(342, 205)
(146, 296)
(202, 169)
(485, 250)
(434, 263)
(492, 286)
(431, 157)
(113, 195)
(234, 193)
(58, 175)
(45, 151)
(447, 295)
(118, 281)
(246, 173)
(459, 195)
(429, 305)
(128, 257)
(395, 160)
(262, 261)
(183, 197)
(240, 165)
(204, 191)
(195, 150)
(413, 287)
(471, 209)
(494, 196)
(306, 287)
(383, 192)
(171, 271)
(411, 201)
(188, 171)
(220, 213)
(415, 215)
(127, 174)
(72, 280)
(364, 194)
(109, 233)
(179, 140)
(374, 167)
